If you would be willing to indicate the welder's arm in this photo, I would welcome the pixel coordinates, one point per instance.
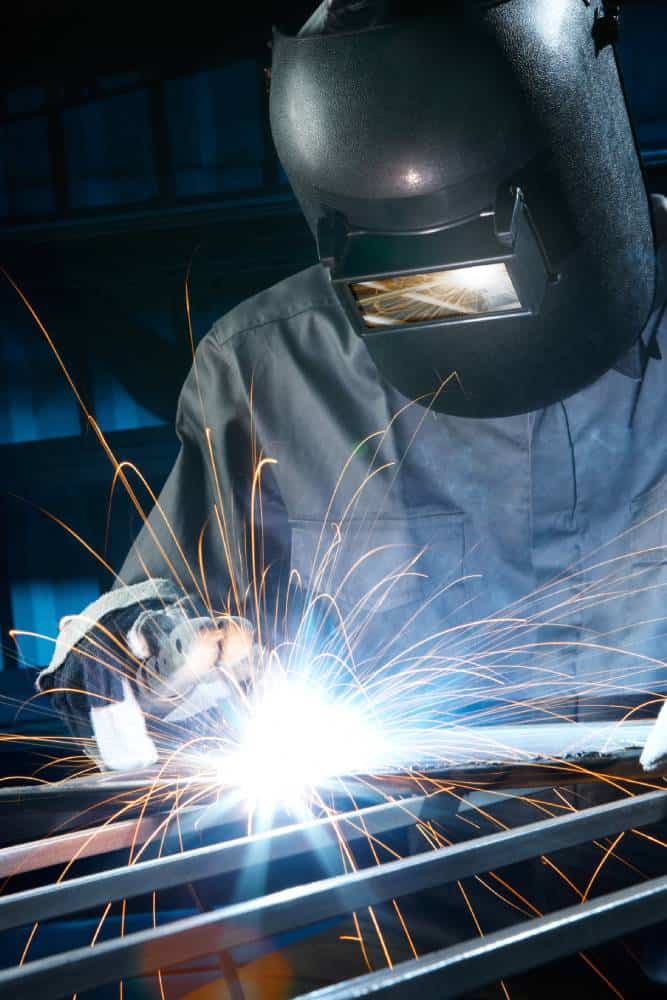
(89, 684)
(180, 564)
(129, 674)
(205, 493)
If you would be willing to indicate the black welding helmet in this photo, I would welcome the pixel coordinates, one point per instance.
(473, 183)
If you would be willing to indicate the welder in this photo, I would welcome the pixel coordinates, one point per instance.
(468, 385)
(473, 368)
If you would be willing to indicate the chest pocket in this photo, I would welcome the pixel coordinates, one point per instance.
(378, 565)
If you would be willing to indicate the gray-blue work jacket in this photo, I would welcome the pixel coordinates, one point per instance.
(526, 555)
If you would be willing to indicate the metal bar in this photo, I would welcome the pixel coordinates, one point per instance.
(544, 755)
(88, 843)
(203, 862)
(93, 841)
(470, 965)
(66, 810)
(242, 923)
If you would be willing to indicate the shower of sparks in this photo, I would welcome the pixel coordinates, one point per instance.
(294, 740)
(316, 705)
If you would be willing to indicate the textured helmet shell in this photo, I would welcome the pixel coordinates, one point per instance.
(419, 123)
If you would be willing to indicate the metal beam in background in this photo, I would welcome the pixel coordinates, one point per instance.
(48, 809)
(69, 805)
(54, 809)
(227, 927)
(129, 220)
(455, 971)
(93, 841)
(86, 843)
(100, 888)
(545, 755)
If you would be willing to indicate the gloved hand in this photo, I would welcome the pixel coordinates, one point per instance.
(162, 666)
(92, 682)
(654, 753)
(179, 653)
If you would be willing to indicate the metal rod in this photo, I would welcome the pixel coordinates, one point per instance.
(88, 843)
(457, 970)
(50, 810)
(242, 923)
(555, 751)
(86, 891)
(92, 841)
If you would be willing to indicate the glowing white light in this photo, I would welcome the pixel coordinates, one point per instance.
(402, 299)
(413, 178)
(295, 739)
(491, 278)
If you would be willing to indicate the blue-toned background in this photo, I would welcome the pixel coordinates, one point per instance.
(131, 148)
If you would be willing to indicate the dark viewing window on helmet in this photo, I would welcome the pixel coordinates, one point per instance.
(401, 300)
(487, 267)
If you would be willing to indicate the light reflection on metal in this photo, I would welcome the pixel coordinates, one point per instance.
(86, 843)
(532, 943)
(217, 859)
(419, 298)
(456, 971)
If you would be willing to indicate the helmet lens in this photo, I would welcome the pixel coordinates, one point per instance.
(403, 299)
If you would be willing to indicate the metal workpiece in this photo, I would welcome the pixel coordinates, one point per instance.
(458, 970)
(302, 905)
(513, 756)
(86, 843)
(206, 862)
(120, 822)
(53, 809)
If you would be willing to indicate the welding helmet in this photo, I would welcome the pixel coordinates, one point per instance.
(473, 183)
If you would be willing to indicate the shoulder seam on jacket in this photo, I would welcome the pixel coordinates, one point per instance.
(222, 341)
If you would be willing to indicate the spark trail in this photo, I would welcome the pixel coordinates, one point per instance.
(329, 696)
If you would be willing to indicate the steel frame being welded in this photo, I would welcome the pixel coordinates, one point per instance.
(451, 972)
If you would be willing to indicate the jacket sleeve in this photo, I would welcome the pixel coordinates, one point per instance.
(192, 547)
(194, 535)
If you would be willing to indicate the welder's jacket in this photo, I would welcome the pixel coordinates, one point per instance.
(538, 540)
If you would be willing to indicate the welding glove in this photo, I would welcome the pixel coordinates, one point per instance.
(654, 753)
(181, 657)
(138, 667)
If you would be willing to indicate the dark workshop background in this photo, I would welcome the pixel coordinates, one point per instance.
(135, 143)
